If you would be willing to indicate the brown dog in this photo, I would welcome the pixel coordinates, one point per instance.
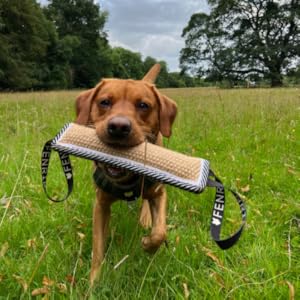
(126, 113)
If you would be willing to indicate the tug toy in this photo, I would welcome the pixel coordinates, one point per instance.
(155, 162)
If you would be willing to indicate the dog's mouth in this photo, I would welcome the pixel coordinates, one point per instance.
(123, 144)
(128, 143)
(115, 172)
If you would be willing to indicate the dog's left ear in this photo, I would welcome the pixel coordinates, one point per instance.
(84, 103)
(82, 107)
(167, 113)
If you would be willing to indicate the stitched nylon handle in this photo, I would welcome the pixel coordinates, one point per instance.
(218, 213)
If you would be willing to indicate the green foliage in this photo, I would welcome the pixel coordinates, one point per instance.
(166, 79)
(24, 38)
(58, 73)
(63, 46)
(176, 80)
(83, 22)
(126, 64)
(251, 138)
(293, 77)
(243, 39)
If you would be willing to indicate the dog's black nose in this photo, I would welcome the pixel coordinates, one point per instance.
(119, 127)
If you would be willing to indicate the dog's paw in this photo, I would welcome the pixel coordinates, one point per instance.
(145, 215)
(152, 242)
(95, 273)
(93, 277)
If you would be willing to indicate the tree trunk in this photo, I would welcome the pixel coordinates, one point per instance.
(275, 76)
(276, 81)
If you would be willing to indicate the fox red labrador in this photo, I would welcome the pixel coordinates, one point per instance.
(126, 113)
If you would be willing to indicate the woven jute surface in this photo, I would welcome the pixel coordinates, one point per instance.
(147, 154)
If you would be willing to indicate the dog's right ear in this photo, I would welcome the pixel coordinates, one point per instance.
(84, 103)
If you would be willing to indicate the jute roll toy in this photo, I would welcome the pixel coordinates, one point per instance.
(155, 162)
(161, 164)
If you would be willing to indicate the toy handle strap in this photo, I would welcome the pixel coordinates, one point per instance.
(66, 166)
(218, 213)
(213, 181)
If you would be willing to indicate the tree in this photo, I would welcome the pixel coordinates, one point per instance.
(293, 76)
(56, 71)
(126, 64)
(176, 80)
(24, 39)
(82, 22)
(242, 39)
(163, 77)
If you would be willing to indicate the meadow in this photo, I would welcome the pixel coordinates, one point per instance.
(250, 136)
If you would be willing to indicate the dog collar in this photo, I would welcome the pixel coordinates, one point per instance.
(128, 192)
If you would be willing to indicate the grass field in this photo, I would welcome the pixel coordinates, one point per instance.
(251, 138)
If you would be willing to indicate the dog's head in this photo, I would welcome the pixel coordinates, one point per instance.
(127, 112)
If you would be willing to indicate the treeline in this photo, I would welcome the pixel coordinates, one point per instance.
(254, 42)
(64, 45)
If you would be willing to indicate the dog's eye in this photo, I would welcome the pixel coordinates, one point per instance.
(104, 103)
(142, 106)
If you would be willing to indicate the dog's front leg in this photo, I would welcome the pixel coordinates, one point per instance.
(145, 215)
(158, 207)
(101, 216)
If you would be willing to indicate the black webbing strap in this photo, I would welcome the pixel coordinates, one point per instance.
(66, 165)
(218, 213)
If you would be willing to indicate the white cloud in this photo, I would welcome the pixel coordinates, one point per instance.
(152, 27)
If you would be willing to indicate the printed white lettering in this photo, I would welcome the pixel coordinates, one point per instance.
(45, 154)
(65, 162)
(216, 214)
(216, 222)
(68, 175)
(220, 190)
(45, 162)
(67, 169)
(220, 198)
(219, 206)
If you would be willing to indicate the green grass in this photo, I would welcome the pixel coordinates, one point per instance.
(251, 138)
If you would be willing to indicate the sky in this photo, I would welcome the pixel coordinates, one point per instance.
(151, 27)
